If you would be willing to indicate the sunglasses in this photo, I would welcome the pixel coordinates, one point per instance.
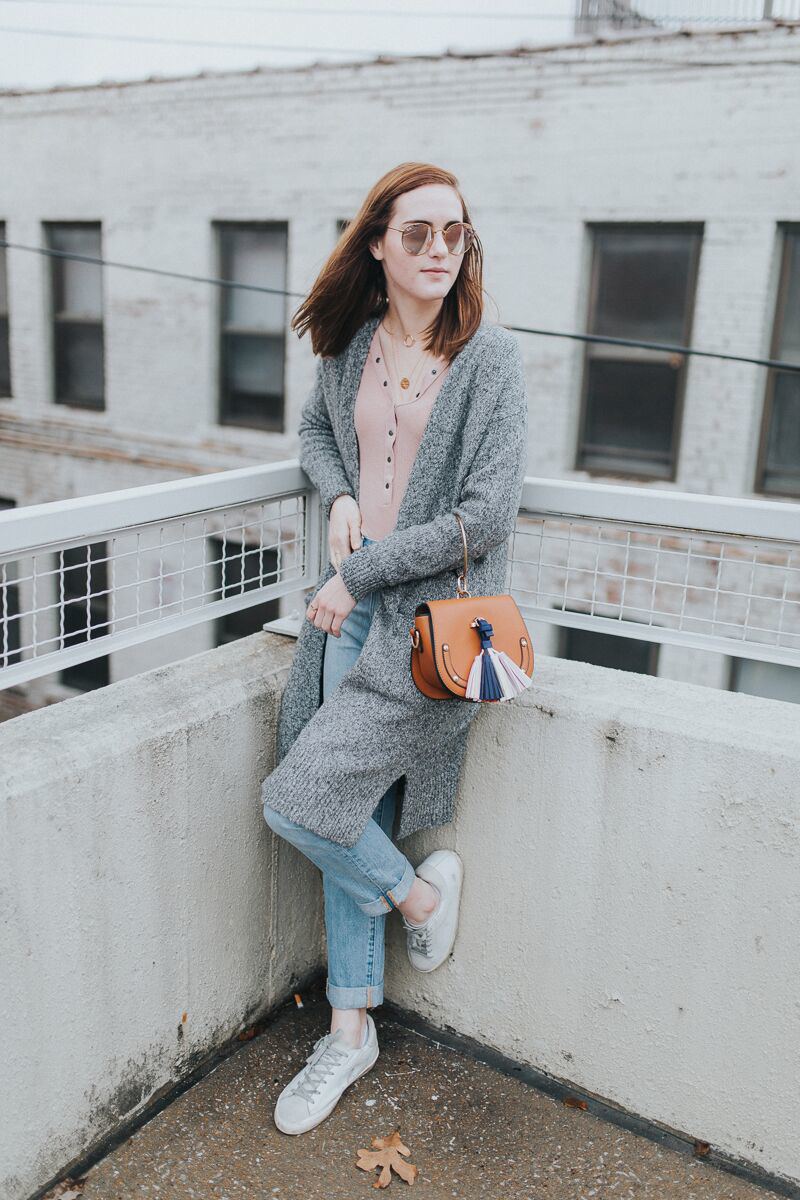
(417, 237)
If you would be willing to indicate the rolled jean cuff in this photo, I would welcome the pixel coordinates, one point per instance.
(354, 997)
(392, 897)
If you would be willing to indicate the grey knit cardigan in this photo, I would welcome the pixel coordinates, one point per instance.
(336, 759)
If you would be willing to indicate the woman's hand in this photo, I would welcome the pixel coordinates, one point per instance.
(344, 529)
(333, 602)
(330, 606)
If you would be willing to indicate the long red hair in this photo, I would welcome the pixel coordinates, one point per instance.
(350, 288)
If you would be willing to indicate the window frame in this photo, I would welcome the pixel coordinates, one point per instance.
(56, 320)
(789, 232)
(609, 351)
(223, 415)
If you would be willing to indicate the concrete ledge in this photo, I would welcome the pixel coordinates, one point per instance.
(628, 926)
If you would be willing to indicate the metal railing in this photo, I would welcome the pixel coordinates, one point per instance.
(716, 573)
(82, 578)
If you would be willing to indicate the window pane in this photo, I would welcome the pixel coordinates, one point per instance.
(79, 365)
(252, 380)
(84, 611)
(254, 256)
(642, 284)
(260, 568)
(5, 359)
(789, 340)
(606, 650)
(10, 642)
(77, 286)
(776, 681)
(3, 281)
(781, 472)
(630, 415)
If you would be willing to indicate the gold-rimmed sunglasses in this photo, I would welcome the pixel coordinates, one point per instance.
(418, 235)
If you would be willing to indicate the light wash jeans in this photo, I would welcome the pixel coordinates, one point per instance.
(361, 883)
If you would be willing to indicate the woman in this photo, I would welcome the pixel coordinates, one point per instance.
(418, 411)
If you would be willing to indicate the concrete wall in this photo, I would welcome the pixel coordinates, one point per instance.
(683, 128)
(149, 913)
(629, 925)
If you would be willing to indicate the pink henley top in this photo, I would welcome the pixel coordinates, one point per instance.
(389, 435)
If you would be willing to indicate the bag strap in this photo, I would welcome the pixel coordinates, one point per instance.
(461, 587)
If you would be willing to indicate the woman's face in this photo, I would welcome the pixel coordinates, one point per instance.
(430, 275)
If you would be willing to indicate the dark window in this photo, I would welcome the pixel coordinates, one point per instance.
(260, 568)
(608, 650)
(10, 635)
(77, 312)
(778, 471)
(252, 324)
(83, 600)
(5, 351)
(642, 288)
(775, 681)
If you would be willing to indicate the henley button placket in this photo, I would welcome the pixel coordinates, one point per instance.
(388, 470)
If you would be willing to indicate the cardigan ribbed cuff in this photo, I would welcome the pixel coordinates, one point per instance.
(359, 573)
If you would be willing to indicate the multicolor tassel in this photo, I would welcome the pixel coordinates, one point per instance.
(493, 675)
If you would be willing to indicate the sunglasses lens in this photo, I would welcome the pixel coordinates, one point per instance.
(415, 237)
(458, 238)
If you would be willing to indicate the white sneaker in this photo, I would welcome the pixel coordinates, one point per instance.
(316, 1089)
(430, 943)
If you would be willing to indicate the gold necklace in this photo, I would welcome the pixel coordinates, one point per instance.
(405, 382)
(409, 339)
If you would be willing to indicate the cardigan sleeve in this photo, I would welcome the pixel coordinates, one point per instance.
(319, 452)
(488, 504)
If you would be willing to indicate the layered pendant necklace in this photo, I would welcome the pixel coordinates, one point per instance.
(406, 382)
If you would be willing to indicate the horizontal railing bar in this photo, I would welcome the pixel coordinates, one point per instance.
(54, 661)
(686, 512)
(84, 518)
(660, 634)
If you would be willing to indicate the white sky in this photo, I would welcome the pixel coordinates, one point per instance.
(334, 30)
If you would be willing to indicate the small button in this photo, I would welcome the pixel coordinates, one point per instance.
(378, 359)
(391, 433)
(433, 372)
(387, 485)
(385, 382)
(417, 393)
(389, 458)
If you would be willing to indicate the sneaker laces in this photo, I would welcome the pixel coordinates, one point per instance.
(323, 1059)
(419, 939)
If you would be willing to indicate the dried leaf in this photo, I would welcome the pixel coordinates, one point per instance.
(68, 1189)
(386, 1154)
(574, 1102)
(701, 1148)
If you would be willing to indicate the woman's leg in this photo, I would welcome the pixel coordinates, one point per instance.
(356, 942)
(360, 886)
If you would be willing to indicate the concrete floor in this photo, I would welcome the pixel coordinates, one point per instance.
(472, 1131)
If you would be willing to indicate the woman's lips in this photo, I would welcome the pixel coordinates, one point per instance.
(434, 271)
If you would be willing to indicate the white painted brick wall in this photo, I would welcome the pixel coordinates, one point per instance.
(671, 128)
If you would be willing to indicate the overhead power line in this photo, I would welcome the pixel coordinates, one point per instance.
(778, 364)
(166, 41)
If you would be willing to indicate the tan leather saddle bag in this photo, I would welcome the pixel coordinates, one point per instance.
(470, 647)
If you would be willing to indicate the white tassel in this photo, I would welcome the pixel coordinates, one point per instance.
(512, 678)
